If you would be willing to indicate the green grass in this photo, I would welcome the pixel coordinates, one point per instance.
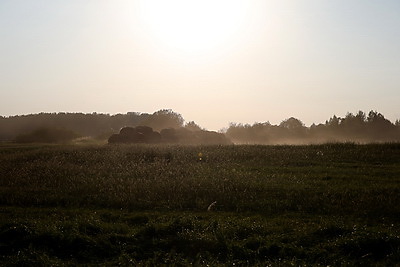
(333, 204)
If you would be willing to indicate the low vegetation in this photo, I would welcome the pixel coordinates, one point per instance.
(331, 204)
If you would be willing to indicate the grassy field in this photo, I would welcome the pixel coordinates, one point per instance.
(332, 204)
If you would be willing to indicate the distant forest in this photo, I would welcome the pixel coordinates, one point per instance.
(100, 126)
(359, 127)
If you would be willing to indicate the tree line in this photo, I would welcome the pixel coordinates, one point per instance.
(359, 127)
(94, 124)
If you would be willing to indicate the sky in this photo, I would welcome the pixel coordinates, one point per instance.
(213, 61)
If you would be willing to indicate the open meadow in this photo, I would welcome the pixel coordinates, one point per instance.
(330, 204)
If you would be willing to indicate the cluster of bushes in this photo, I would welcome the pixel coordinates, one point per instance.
(139, 134)
(145, 134)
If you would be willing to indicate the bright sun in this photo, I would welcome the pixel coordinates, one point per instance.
(193, 26)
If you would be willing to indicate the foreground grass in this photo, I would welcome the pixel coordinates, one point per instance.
(81, 236)
(328, 204)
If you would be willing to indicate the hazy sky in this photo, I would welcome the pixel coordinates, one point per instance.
(213, 61)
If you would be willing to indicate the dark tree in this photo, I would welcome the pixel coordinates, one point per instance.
(192, 126)
(163, 119)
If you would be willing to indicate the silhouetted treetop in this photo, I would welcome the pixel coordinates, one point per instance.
(192, 126)
(292, 124)
(165, 118)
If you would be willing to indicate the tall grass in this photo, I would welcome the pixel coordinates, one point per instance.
(332, 204)
(327, 179)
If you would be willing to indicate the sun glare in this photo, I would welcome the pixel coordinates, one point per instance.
(192, 25)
